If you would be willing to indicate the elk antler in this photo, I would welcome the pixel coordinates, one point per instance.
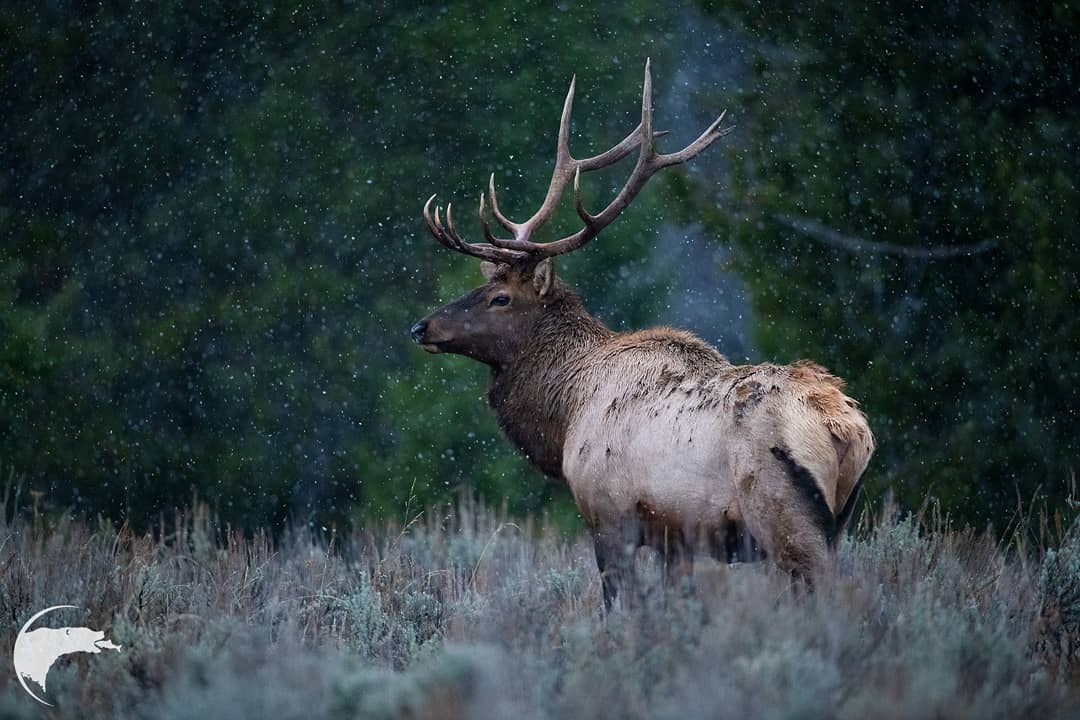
(520, 248)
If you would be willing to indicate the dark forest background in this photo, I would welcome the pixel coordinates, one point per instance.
(212, 247)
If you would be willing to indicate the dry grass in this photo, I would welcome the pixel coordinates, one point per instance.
(467, 614)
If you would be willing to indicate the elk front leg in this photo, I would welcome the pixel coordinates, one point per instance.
(616, 549)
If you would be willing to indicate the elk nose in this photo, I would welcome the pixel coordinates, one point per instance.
(418, 330)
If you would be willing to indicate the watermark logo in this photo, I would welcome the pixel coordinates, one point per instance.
(37, 650)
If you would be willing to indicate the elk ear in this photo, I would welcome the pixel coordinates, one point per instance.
(544, 276)
(489, 270)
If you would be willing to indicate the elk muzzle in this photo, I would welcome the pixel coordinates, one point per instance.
(419, 333)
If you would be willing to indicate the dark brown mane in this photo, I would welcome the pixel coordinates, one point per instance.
(532, 397)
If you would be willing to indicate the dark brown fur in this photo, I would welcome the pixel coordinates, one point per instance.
(532, 396)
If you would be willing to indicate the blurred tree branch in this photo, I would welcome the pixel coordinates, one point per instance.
(825, 234)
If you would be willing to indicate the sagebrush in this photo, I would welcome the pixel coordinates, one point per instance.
(467, 613)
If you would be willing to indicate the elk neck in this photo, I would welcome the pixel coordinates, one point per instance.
(534, 395)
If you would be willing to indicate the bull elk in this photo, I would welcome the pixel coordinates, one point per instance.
(662, 441)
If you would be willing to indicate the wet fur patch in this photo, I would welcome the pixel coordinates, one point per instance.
(747, 396)
(819, 511)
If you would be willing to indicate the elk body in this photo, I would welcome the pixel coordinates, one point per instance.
(661, 440)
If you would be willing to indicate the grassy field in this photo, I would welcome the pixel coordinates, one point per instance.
(465, 613)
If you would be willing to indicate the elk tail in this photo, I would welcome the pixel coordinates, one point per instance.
(853, 455)
(845, 513)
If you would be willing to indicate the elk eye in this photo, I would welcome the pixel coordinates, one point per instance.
(500, 300)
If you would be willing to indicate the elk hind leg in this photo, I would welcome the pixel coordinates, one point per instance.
(787, 513)
(616, 546)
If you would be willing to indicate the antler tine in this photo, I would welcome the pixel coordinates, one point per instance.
(609, 157)
(563, 151)
(711, 134)
(646, 113)
(581, 211)
(483, 220)
(434, 226)
(451, 231)
(498, 242)
(447, 235)
(507, 223)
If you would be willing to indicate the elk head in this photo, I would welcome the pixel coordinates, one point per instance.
(493, 322)
(490, 323)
